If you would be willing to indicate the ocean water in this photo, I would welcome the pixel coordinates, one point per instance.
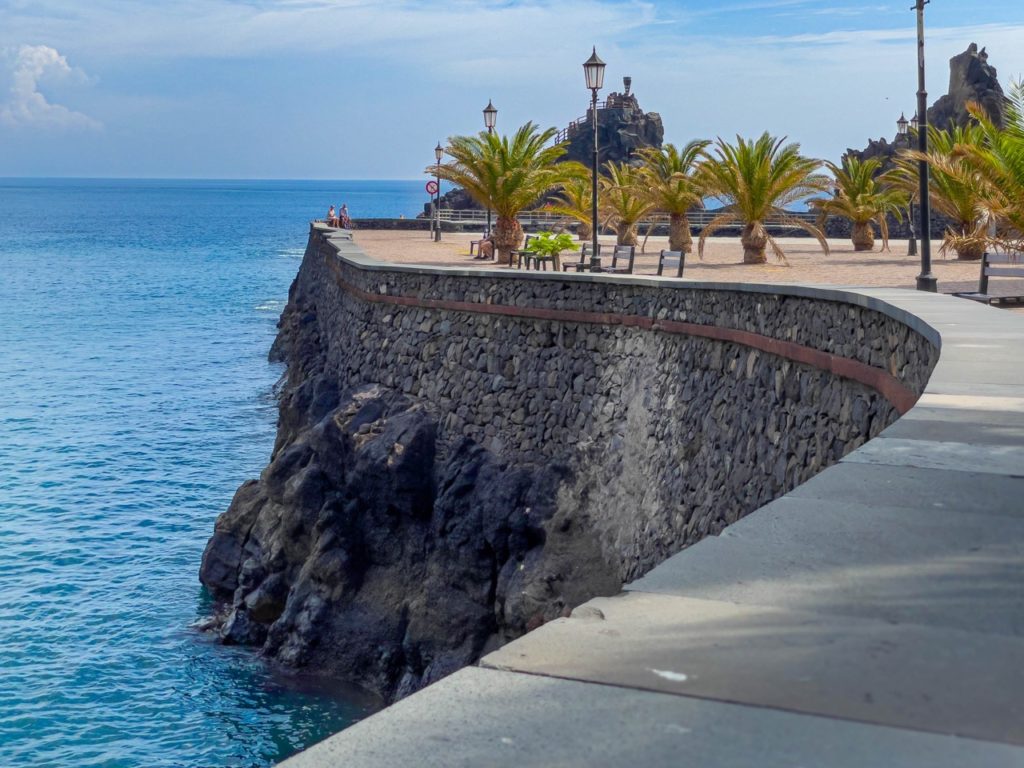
(135, 396)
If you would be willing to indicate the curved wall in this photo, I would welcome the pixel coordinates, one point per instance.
(567, 433)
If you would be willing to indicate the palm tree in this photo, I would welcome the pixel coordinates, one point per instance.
(758, 178)
(675, 187)
(625, 200)
(574, 201)
(507, 175)
(863, 199)
(956, 189)
(999, 162)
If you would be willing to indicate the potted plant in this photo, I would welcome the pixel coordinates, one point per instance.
(549, 245)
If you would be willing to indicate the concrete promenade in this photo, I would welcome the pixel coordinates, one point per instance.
(872, 617)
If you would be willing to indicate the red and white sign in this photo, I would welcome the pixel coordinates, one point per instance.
(431, 187)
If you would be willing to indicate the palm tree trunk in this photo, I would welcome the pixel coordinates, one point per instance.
(969, 248)
(863, 237)
(754, 239)
(679, 238)
(584, 231)
(508, 234)
(627, 234)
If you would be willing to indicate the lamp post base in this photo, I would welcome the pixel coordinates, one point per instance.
(927, 282)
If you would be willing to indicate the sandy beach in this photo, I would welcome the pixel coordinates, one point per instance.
(806, 263)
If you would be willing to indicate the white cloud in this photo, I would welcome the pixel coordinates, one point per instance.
(26, 106)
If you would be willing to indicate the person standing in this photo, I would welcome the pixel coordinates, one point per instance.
(343, 216)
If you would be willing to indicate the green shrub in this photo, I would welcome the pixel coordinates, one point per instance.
(550, 244)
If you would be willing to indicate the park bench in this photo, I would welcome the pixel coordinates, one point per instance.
(671, 259)
(583, 264)
(540, 261)
(524, 254)
(996, 265)
(474, 245)
(622, 253)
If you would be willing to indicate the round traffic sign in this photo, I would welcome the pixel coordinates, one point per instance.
(432, 187)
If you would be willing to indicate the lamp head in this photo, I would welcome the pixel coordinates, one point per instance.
(593, 70)
(901, 125)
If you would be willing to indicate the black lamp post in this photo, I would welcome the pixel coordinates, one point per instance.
(438, 153)
(593, 70)
(490, 119)
(901, 126)
(926, 280)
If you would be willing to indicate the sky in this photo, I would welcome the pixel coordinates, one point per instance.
(351, 89)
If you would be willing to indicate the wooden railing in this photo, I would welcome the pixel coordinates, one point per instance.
(570, 130)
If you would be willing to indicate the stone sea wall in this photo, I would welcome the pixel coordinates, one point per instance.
(463, 456)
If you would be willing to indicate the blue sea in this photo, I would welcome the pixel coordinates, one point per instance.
(135, 396)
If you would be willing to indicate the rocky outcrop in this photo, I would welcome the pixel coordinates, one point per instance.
(971, 80)
(444, 480)
(622, 129)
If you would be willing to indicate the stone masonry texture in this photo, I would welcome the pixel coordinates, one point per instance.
(443, 481)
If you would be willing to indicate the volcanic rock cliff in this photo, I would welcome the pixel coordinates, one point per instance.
(463, 457)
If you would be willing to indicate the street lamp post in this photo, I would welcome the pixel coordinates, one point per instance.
(926, 280)
(593, 70)
(438, 153)
(901, 126)
(490, 119)
(915, 123)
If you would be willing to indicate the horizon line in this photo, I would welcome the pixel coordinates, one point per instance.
(194, 178)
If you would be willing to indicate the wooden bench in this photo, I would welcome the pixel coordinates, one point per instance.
(519, 253)
(996, 265)
(475, 245)
(540, 262)
(671, 259)
(621, 253)
(583, 265)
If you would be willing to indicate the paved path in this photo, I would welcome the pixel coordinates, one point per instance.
(872, 617)
(723, 262)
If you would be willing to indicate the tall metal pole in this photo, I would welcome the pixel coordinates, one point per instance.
(490, 130)
(926, 280)
(595, 260)
(437, 206)
(912, 242)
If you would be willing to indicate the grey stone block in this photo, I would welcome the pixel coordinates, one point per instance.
(902, 675)
(992, 459)
(893, 485)
(481, 717)
(925, 565)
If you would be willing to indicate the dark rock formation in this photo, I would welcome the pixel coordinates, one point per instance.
(363, 551)
(971, 79)
(457, 199)
(443, 481)
(622, 128)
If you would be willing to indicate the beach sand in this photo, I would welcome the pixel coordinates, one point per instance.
(722, 261)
